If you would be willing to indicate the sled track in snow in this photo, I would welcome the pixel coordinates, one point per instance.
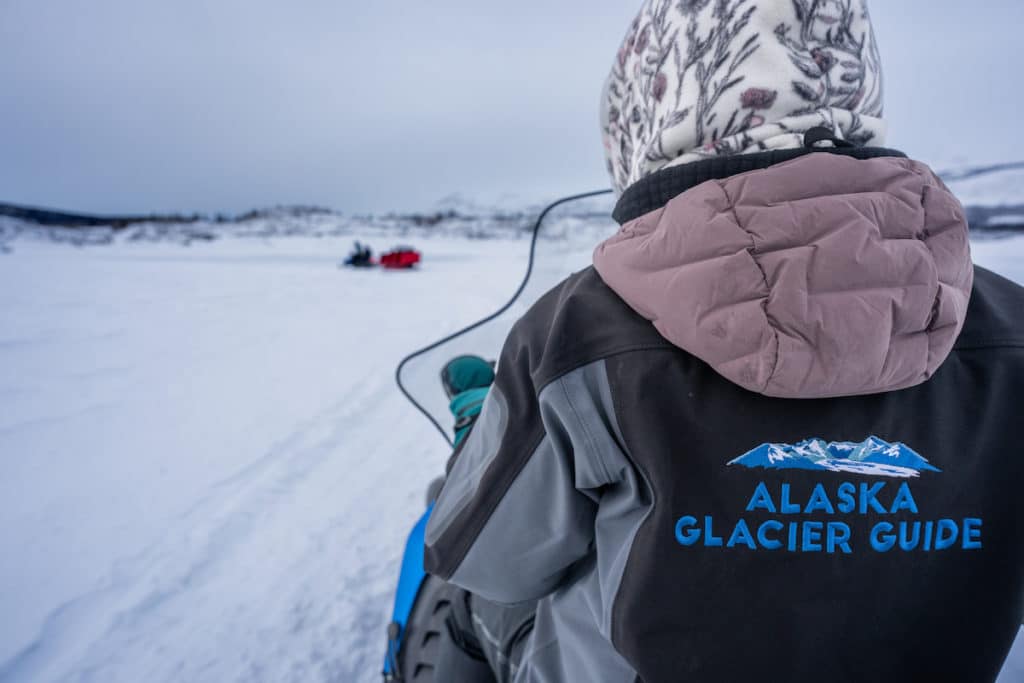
(199, 540)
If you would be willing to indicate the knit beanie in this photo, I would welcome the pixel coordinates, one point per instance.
(702, 78)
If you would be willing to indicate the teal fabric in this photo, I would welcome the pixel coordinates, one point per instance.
(468, 372)
(466, 407)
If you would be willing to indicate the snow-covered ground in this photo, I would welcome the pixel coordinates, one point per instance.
(208, 475)
(208, 472)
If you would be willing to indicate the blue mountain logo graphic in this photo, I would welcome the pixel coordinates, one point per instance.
(873, 456)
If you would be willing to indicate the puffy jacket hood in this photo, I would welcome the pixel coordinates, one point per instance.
(819, 277)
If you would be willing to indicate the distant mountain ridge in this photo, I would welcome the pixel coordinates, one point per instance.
(992, 197)
(453, 208)
(66, 219)
(578, 221)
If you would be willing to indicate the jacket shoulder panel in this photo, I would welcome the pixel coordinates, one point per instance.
(578, 322)
(995, 315)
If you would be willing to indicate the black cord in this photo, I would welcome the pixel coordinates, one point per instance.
(483, 321)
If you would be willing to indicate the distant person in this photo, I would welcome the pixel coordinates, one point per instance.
(361, 256)
(774, 433)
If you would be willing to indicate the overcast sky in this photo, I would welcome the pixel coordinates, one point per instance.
(225, 105)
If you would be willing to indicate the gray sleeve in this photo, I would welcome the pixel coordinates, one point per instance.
(518, 508)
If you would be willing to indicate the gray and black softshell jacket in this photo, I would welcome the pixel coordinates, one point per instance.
(773, 435)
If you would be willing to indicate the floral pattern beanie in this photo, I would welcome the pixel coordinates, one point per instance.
(701, 78)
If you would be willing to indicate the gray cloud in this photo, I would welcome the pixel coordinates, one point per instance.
(138, 105)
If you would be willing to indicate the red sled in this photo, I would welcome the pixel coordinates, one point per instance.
(399, 258)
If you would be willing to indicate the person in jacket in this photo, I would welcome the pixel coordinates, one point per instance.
(772, 433)
(361, 256)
